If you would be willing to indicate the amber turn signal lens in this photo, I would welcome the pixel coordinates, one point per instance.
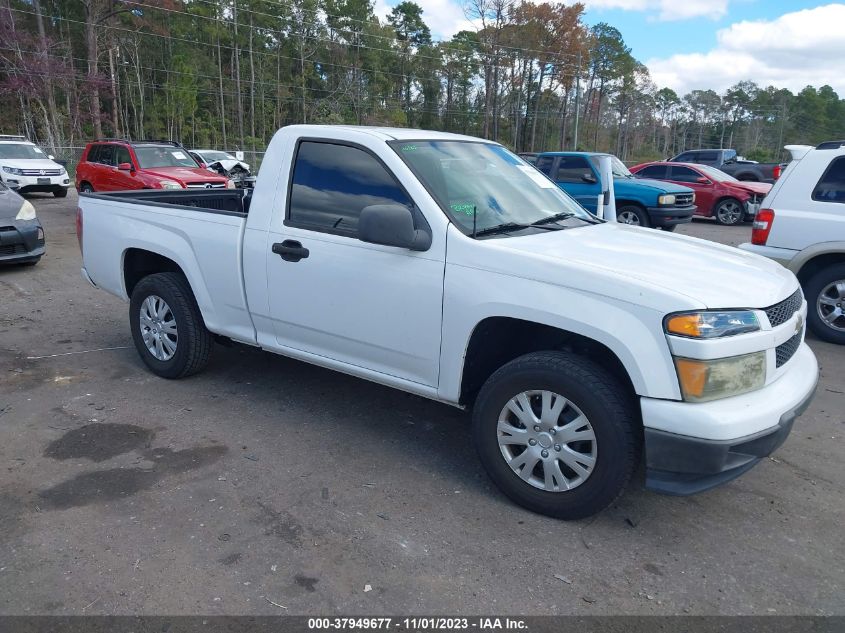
(692, 374)
(685, 325)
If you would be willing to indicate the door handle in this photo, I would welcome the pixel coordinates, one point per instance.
(290, 250)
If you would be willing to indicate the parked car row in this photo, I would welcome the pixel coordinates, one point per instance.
(726, 160)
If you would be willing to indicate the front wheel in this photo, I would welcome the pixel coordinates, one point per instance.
(825, 292)
(670, 228)
(167, 326)
(557, 434)
(729, 212)
(60, 193)
(633, 215)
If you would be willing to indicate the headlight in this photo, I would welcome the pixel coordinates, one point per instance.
(27, 211)
(703, 380)
(13, 170)
(170, 184)
(712, 324)
(666, 199)
(230, 184)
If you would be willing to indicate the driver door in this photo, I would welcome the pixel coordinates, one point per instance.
(575, 176)
(366, 305)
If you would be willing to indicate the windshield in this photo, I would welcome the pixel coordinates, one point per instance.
(486, 181)
(715, 174)
(211, 157)
(163, 156)
(617, 167)
(20, 150)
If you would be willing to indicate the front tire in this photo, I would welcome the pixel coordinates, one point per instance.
(60, 193)
(167, 326)
(633, 215)
(557, 434)
(825, 292)
(729, 212)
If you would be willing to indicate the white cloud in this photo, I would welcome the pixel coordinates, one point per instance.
(444, 17)
(792, 51)
(667, 10)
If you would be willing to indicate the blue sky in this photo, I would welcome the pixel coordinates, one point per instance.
(700, 44)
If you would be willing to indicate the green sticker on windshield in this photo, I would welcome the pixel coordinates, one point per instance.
(467, 209)
(409, 148)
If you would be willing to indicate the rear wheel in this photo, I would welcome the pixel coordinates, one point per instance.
(60, 193)
(167, 326)
(557, 434)
(729, 212)
(825, 292)
(633, 215)
(86, 187)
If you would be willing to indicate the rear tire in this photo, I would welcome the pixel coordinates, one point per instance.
(86, 187)
(669, 229)
(826, 306)
(60, 193)
(729, 212)
(633, 215)
(170, 335)
(595, 405)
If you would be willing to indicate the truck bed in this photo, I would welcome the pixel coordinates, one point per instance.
(233, 201)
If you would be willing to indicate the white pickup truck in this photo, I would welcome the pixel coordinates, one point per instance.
(448, 267)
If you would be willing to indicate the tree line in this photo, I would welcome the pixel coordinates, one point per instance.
(228, 73)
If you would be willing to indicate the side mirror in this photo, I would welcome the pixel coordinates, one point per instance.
(203, 165)
(125, 166)
(391, 225)
(703, 180)
(239, 155)
(589, 178)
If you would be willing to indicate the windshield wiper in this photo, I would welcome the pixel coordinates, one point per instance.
(507, 227)
(553, 218)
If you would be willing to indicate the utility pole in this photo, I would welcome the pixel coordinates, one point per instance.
(577, 93)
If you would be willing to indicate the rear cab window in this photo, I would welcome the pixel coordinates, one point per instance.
(332, 183)
(831, 186)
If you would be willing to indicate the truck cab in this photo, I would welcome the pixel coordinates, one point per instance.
(640, 202)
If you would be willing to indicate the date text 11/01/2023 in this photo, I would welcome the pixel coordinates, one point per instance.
(418, 623)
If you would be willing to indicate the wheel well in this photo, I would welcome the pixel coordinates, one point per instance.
(633, 203)
(817, 263)
(138, 263)
(498, 340)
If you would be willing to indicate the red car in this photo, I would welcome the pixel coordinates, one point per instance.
(717, 195)
(115, 165)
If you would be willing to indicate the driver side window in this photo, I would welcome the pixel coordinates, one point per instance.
(574, 169)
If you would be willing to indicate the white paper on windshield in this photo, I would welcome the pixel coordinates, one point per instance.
(179, 155)
(37, 150)
(537, 177)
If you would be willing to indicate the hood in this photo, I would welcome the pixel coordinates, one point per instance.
(647, 263)
(751, 187)
(229, 164)
(185, 174)
(639, 184)
(10, 204)
(30, 163)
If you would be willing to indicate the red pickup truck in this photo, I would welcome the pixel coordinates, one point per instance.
(120, 165)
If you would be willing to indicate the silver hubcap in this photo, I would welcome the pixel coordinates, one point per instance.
(729, 212)
(547, 441)
(158, 328)
(831, 303)
(628, 217)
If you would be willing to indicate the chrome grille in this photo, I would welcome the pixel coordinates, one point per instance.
(786, 350)
(683, 199)
(783, 311)
(41, 172)
(206, 185)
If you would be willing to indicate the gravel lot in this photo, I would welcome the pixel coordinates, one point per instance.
(266, 479)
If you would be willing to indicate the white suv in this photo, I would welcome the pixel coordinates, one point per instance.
(802, 226)
(25, 168)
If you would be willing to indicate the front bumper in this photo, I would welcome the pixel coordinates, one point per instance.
(670, 216)
(33, 184)
(21, 241)
(733, 433)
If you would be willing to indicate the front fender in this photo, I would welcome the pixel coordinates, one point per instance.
(633, 333)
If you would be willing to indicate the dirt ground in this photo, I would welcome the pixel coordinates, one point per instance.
(265, 480)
